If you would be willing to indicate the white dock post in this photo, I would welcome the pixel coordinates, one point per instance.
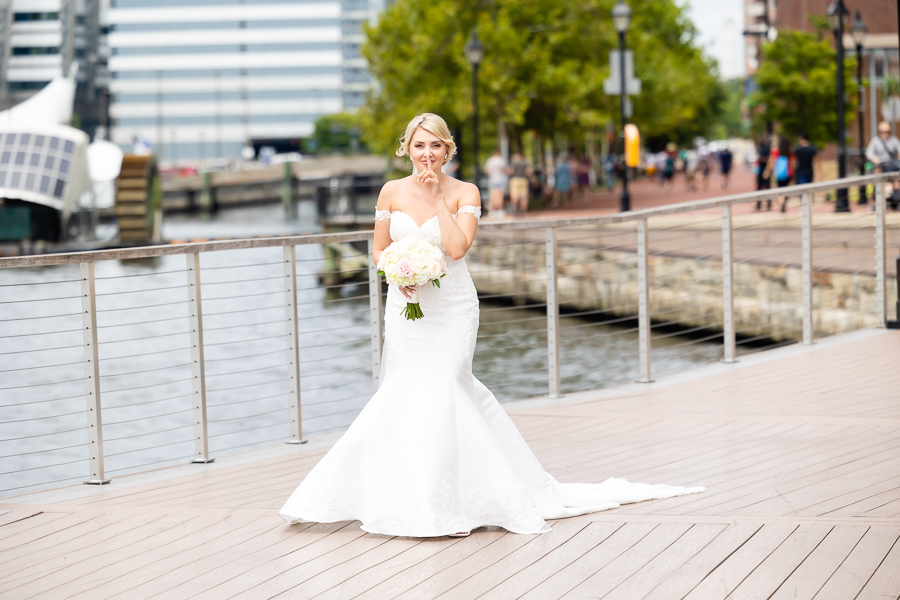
(728, 332)
(92, 374)
(644, 344)
(552, 257)
(376, 316)
(806, 263)
(198, 366)
(293, 349)
(881, 256)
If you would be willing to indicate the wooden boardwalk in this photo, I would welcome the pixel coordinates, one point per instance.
(799, 449)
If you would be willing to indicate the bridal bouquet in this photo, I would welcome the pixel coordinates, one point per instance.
(412, 262)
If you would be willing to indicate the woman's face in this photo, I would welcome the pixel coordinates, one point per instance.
(425, 147)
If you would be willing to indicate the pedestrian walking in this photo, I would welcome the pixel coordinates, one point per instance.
(780, 166)
(691, 163)
(563, 181)
(763, 179)
(518, 184)
(496, 170)
(725, 163)
(669, 166)
(703, 166)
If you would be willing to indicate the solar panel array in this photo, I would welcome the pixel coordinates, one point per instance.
(36, 163)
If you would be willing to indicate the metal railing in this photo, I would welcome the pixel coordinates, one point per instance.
(239, 343)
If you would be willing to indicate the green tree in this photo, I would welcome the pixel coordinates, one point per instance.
(796, 87)
(544, 67)
(731, 122)
(337, 133)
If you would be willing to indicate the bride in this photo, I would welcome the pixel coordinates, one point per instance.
(433, 453)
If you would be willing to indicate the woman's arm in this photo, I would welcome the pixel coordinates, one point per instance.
(458, 234)
(383, 227)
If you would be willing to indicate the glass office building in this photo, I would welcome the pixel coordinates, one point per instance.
(200, 79)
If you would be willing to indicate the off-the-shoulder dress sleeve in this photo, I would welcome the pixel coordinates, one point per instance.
(473, 210)
(381, 215)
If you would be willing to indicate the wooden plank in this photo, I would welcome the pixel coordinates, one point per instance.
(772, 572)
(243, 576)
(55, 522)
(209, 570)
(688, 576)
(596, 558)
(546, 567)
(223, 534)
(806, 581)
(856, 571)
(486, 579)
(666, 563)
(48, 574)
(336, 577)
(728, 575)
(446, 579)
(885, 582)
(421, 553)
(295, 579)
(629, 562)
(416, 574)
(13, 516)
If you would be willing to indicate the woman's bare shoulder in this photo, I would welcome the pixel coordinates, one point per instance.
(390, 191)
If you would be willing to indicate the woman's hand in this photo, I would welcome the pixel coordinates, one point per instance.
(429, 179)
(406, 291)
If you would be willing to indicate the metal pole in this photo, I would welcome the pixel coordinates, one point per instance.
(92, 374)
(475, 136)
(843, 203)
(198, 365)
(376, 316)
(287, 190)
(881, 256)
(625, 197)
(551, 252)
(806, 262)
(644, 348)
(860, 112)
(728, 287)
(293, 345)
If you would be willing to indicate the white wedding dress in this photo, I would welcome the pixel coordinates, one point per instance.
(433, 452)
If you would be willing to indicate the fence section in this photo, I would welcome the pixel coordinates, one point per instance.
(120, 361)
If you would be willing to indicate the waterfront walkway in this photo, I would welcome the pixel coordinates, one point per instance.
(799, 449)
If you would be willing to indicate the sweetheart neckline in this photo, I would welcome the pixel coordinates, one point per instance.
(424, 223)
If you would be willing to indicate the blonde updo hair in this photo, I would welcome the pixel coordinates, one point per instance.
(434, 125)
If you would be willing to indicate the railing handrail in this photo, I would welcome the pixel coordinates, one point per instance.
(42, 260)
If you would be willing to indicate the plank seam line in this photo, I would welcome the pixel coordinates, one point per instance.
(801, 562)
(23, 518)
(881, 562)
(721, 562)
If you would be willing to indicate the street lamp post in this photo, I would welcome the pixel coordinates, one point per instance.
(836, 13)
(474, 54)
(859, 31)
(621, 16)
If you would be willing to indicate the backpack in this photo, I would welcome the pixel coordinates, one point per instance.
(782, 169)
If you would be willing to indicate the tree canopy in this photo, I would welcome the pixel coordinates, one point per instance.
(544, 66)
(796, 87)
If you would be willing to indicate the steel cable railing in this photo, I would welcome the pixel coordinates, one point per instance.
(173, 349)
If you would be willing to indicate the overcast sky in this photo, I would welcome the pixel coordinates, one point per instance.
(721, 23)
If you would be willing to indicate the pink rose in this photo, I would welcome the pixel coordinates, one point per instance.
(404, 269)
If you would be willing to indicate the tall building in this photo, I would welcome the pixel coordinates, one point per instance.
(41, 39)
(201, 79)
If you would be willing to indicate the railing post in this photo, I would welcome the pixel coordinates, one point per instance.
(806, 265)
(198, 366)
(881, 256)
(92, 374)
(376, 316)
(552, 255)
(293, 344)
(728, 287)
(644, 346)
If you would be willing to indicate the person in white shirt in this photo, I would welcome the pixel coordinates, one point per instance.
(498, 173)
